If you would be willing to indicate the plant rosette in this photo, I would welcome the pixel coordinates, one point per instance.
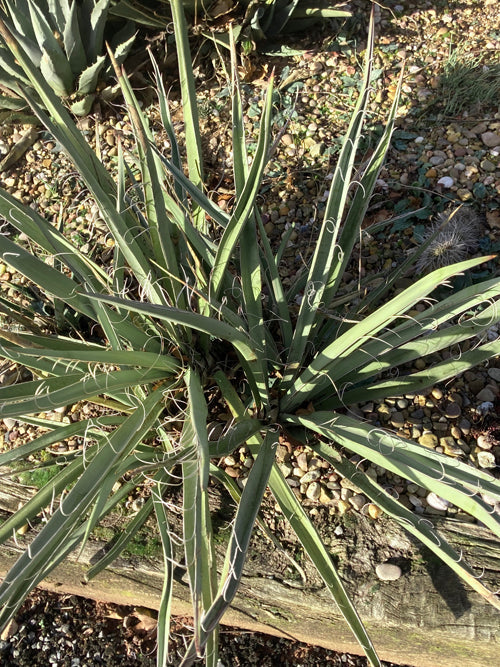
(178, 318)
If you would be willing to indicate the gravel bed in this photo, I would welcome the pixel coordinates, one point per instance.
(445, 154)
(69, 631)
(435, 164)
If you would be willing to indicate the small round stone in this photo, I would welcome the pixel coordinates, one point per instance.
(397, 419)
(358, 501)
(374, 511)
(428, 440)
(491, 139)
(485, 395)
(484, 442)
(388, 571)
(449, 446)
(310, 476)
(302, 461)
(494, 373)
(313, 491)
(486, 459)
(446, 181)
(433, 500)
(453, 411)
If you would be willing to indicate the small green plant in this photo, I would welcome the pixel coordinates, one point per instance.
(65, 39)
(192, 313)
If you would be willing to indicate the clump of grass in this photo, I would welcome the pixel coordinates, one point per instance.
(455, 234)
(468, 81)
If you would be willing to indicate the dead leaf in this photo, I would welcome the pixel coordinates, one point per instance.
(493, 218)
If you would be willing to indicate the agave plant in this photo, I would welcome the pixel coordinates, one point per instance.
(192, 306)
(260, 21)
(65, 39)
(269, 19)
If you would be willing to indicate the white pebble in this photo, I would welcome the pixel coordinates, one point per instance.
(446, 181)
(433, 500)
(388, 571)
(484, 442)
(486, 459)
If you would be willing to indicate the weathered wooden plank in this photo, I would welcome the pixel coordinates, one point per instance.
(425, 618)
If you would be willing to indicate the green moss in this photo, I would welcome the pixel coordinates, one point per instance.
(144, 545)
(104, 533)
(38, 477)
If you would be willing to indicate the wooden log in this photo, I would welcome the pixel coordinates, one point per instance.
(425, 618)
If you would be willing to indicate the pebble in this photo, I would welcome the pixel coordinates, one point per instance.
(486, 459)
(446, 181)
(483, 442)
(301, 459)
(374, 511)
(428, 440)
(494, 373)
(465, 426)
(310, 476)
(490, 139)
(437, 503)
(343, 506)
(313, 491)
(137, 504)
(286, 469)
(485, 395)
(487, 165)
(397, 420)
(324, 497)
(464, 194)
(388, 572)
(358, 501)
(450, 447)
(452, 411)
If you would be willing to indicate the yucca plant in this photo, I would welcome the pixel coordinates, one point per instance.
(192, 309)
(65, 40)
